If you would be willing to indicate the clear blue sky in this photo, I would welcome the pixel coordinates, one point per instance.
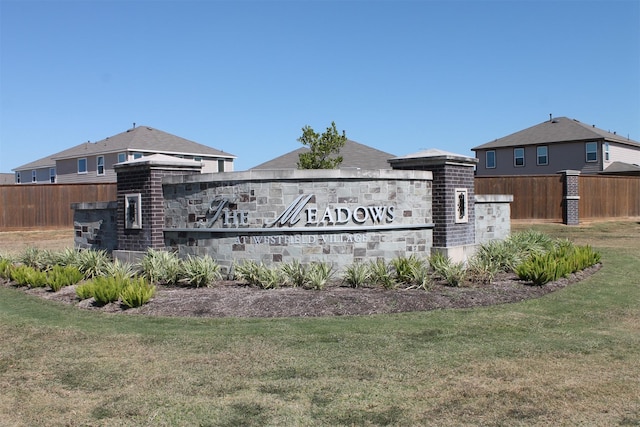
(246, 76)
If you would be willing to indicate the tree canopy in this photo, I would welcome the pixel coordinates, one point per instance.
(324, 150)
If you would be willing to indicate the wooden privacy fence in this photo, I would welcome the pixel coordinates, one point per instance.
(542, 198)
(30, 206)
(609, 196)
(534, 197)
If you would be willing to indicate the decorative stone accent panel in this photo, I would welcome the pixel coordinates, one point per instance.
(95, 225)
(493, 217)
(333, 216)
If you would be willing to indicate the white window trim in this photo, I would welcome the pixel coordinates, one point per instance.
(85, 166)
(98, 165)
(514, 157)
(587, 152)
(546, 156)
(486, 159)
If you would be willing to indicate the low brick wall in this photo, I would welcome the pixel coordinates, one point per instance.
(493, 217)
(337, 216)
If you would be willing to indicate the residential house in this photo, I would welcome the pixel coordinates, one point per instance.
(93, 162)
(354, 156)
(559, 144)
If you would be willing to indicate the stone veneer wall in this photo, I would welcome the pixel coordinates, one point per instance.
(191, 203)
(95, 225)
(493, 217)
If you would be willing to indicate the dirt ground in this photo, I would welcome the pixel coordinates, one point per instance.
(232, 299)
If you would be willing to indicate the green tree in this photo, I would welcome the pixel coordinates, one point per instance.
(321, 148)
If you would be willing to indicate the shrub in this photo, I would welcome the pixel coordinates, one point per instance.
(161, 266)
(6, 265)
(59, 277)
(356, 274)
(319, 274)
(380, 274)
(200, 271)
(294, 273)
(93, 263)
(25, 275)
(85, 290)
(106, 289)
(136, 292)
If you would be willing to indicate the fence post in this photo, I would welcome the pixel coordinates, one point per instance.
(571, 197)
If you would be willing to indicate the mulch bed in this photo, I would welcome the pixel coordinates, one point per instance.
(233, 299)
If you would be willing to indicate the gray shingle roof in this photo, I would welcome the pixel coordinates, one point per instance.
(142, 139)
(354, 154)
(560, 129)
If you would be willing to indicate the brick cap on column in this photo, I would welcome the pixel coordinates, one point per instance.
(569, 172)
(432, 157)
(160, 161)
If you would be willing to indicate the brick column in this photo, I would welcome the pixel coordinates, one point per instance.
(452, 174)
(571, 197)
(144, 177)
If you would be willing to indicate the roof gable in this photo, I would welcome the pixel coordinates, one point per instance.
(142, 139)
(561, 129)
(354, 155)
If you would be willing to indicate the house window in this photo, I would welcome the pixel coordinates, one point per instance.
(34, 176)
(52, 175)
(592, 151)
(518, 156)
(606, 151)
(100, 165)
(137, 155)
(543, 155)
(122, 157)
(220, 165)
(491, 159)
(82, 165)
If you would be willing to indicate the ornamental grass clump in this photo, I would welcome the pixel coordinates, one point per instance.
(258, 274)
(563, 259)
(453, 273)
(319, 275)
(200, 271)
(295, 273)
(161, 267)
(381, 274)
(93, 263)
(357, 274)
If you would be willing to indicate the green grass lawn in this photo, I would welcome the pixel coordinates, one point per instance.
(569, 358)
